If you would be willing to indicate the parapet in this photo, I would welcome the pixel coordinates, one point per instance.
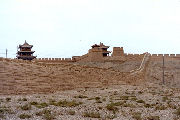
(118, 51)
(54, 60)
(134, 57)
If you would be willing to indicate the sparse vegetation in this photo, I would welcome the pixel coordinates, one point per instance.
(153, 118)
(172, 106)
(91, 114)
(52, 102)
(140, 101)
(124, 97)
(164, 98)
(46, 114)
(33, 103)
(129, 105)
(140, 92)
(8, 99)
(42, 105)
(26, 107)
(4, 110)
(90, 99)
(160, 107)
(65, 103)
(111, 116)
(97, 98)
(24, 116)
(177, 112)
(22, 99)
(137, 116)
(133, 98)
(148, 105)
(113, 106)
(80, 96)
(71, 112)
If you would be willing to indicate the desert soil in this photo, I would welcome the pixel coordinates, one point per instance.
(119, 102)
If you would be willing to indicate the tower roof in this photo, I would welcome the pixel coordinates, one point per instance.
(26, 45)
(101, 45)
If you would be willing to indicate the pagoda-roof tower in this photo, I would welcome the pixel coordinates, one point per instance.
(25, 52)
(26, 45)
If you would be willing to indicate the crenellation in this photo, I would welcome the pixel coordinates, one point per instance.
(177, 55)
(160, 55)
(166, 55)
(136, 55)
(172, 55)
(154, 55)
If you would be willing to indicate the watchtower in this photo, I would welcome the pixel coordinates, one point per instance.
(98, 52)
(25, 52)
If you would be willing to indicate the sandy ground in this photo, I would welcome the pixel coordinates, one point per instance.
(120, 102)
(38, 91)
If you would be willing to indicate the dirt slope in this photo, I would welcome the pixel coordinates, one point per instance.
(27, 77)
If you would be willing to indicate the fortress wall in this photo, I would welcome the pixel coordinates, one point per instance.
(54, 60)
(159, 57)
(154, 57)
(83, 58)
(134, 57)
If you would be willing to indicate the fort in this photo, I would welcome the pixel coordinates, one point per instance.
(102, 81)
(100, 53)
(99, 67)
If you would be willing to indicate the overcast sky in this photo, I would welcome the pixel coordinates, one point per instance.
(63, 28)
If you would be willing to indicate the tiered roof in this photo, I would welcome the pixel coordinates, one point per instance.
(25, 52)
(101, 45)
(25, 45)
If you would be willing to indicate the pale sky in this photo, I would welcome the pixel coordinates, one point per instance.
(66, 28)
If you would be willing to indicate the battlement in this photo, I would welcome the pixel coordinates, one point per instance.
(133, 57)
(54, 60)
(159, 57)
(165, 55)
(117, 48)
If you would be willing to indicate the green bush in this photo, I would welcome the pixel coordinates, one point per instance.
(164, 98)
(160, 107)
(71, 112)
(91, 114)
(177, 112)
(24, 116)
(42, 105)
(124, 98)
(65, 103)
(26, 107)
(137, 116)
(8, 99)
(80, 96)
(24, 99)
(147, 105)
(153, 118)
(52, 102)
(112, 107)
(33, 103)
(140, 101)
(46, 114)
